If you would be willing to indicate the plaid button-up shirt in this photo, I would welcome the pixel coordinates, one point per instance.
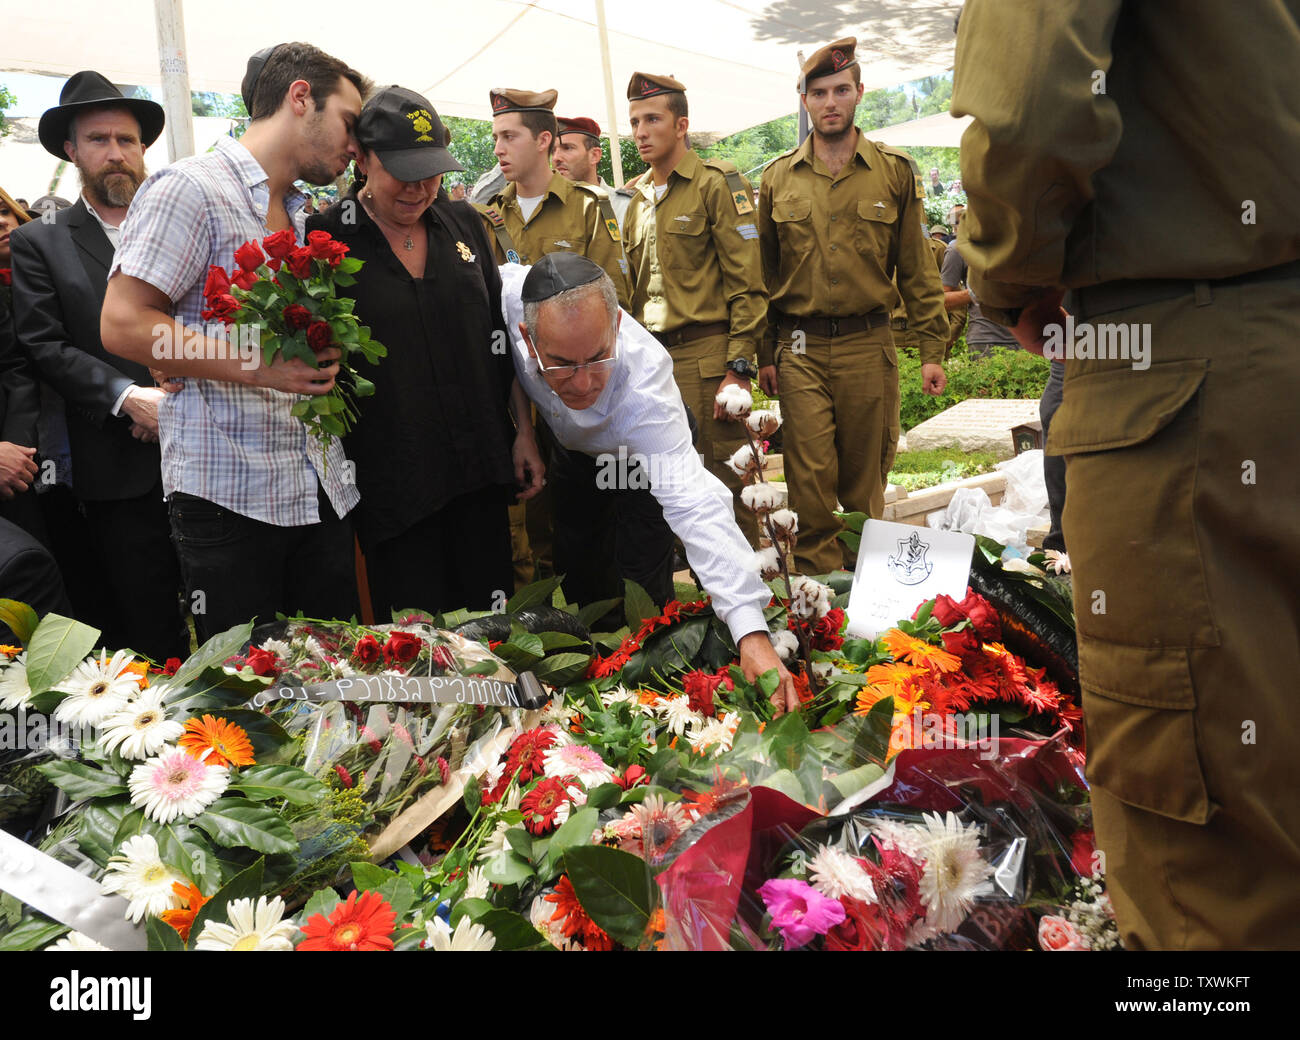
(234, 445)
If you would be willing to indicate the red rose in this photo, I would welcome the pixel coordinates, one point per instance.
(367, 650)
(249, 256)
(947, 611)
(861, 929)
(699, 687)
(401, 646)
(244, 279)
(442, 657)
(280, 244)
(319, 335)
(826, 636)
(319, 244)
(263, 662)
(6, 276)
(961, 643)
(336, 253)
(172, 666)
(982, 616)
(223, 308)
(1083, 847)
(296, 316)
(299, 263)
(631, 776)
(218, 283)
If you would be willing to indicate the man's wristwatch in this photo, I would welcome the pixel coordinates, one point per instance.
(743, 368)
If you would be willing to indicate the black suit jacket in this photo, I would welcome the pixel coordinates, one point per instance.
(20, 395)
(60, 273)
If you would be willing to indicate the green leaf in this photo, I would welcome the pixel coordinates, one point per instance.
(236, 822)
(162, 936)
(872, 741)
(507, 869)
(31, 934)
(615, 888)
(471, 908)
(852, 539)
(473, 795)
(511, 930)
(593, 612)
(369, 876)
(212, 654)
(20, 618)
(521, 841)
(245, 885)
(296, 786)
(349, 265)
(604, 796)
(768, 682)
(637, 604)
(558, 640)
(855, 780)
(562, 669)
(786, 740)
(536, 594)
(300, 409)
(99, 824)
(575, 831)
(81, 781)
(321, 902)
(57, 646)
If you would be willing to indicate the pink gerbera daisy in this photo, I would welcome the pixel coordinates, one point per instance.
(174, 784)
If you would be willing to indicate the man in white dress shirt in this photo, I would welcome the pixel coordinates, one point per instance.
(605, 386)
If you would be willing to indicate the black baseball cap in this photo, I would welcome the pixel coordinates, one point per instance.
(403, 129)
(556, 273)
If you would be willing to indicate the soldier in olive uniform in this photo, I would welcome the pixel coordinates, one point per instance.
(692, 240)
(539, 211)
(1183, 484)
(903, 337)
(839, 217)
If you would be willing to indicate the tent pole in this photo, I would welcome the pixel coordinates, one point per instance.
(615, 152)
(802, 112)
(175, 71)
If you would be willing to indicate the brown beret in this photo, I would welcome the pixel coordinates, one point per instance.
(505, 100)
(578, 125)
(834, 57)
(644, 85)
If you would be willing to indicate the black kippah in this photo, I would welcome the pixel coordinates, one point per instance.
(556, 272)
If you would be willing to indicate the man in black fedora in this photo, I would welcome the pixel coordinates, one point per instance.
(109, 406)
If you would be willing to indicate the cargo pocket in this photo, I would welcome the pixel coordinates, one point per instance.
(1130, 508)
(1139, 712)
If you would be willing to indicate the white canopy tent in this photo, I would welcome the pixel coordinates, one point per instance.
(941, 130)
(738, 58)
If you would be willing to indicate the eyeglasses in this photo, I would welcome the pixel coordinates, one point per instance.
(563, 373)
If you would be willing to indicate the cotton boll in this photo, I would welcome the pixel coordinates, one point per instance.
(735, 400)
(763, 423)
(785, 643)
(767, 562)
(809, 599)
(786, 522)
(761, 498)
(745, 461)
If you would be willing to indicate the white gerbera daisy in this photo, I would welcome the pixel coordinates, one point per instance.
(558, 712)
(14, 691)
(142, 728)
(906, 838)
(495, 843)
(96, 689)
(577, 799)
(677, 714)
(716, 734)
(251, 927)
(834, 874)
(476, 884)
(279, 647)
(175, 784)
(75, 942)
(577, 760)
(953, 870)
(467, 938)
(138, 873)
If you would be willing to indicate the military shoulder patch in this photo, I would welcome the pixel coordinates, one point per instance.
(736, 185)
(493, 212)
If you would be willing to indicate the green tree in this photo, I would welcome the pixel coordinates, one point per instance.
(7, 101)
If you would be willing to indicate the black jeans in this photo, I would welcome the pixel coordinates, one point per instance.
(1053, 465)
(456, 557)
(606, 534)
(237, 569)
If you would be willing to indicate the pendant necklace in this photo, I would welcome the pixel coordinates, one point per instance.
(408, 245)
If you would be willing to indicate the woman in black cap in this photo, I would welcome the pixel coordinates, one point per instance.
(436, 452)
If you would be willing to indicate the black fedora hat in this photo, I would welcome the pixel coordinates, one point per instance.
(88, 90)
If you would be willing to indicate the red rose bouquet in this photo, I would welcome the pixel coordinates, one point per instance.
(286, 293)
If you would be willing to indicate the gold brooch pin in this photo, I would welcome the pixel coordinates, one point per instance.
(465, 253)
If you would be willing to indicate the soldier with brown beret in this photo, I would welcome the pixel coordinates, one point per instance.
(840, 218)
(692, 240)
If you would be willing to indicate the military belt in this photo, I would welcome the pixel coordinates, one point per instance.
(690, 333)
(1124, 293)
(898, 324)
(829, 328)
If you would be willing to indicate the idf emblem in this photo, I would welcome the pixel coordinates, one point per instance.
(465, 253)
(909, 565)
(839, 59)
(611, 225)
(920, 187)
(647, 87)
(498, 102)
(743, 204)
(512, 257)
(421, 123)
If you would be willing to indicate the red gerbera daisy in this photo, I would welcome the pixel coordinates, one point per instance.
(573, 919)
(357, 924)
(527, 753)
(540, 805)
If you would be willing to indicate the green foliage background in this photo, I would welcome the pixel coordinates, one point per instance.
(1004, 374)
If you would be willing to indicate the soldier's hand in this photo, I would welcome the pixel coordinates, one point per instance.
(767, 380)
(730, 379)
(933, 379)
(1030, 329)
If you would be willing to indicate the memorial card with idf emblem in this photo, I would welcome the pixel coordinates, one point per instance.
(899, 567)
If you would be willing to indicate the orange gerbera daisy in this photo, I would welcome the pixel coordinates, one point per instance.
(357, 924)
(226, 743)
(10, 651)
(573, 919)
(869, 697)
(892, 676)
(918, 652)
(140, 669)
(183, 920)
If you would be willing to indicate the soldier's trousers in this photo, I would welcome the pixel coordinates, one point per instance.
(1181, 527)
(698, 368)
(839, 408)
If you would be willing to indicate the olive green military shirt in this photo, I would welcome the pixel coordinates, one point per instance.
(694, 254)
(832, 245)
(570, 218)
(940, 250)
(1127, 160)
